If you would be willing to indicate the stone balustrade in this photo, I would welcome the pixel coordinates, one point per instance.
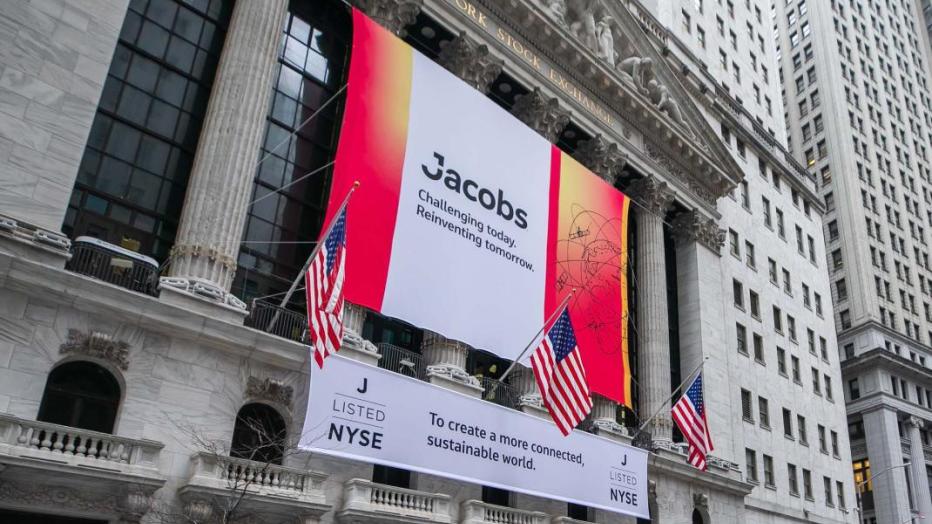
(567, 520)
(223, 471)
(33, 439)
(476, 512)
(366, 501)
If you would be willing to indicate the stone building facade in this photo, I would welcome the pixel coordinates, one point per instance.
(163, 172)
(859, 114)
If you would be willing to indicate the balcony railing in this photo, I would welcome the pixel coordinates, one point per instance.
(115, 265)
(367, 501)
(476, 512)
(498, 392)
(276, 320)
(29, 438)
(254, 476)
(402, 361)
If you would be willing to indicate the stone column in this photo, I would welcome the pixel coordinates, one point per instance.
(393, 15)
(884, 449)
(654, 199)
(917, 459)
(470, 61)
(541, 113)
(529, 399)
(446, 364)
(699, 297)
(354, 346)
(203, 259)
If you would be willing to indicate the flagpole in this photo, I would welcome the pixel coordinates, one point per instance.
(553, 315)
(297, 280)
(675, 391)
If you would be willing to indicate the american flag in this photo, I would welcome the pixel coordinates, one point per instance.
(323, 287)
(689, 414)
(561, 376)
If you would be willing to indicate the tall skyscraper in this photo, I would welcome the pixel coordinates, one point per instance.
(856, 92)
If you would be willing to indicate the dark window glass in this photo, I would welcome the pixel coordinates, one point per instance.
(139, 153)
(259, 434)
(312, 67)
(81, 395)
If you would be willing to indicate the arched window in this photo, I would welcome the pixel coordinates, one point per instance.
(697, 517)
(259, 434)
(81, 395)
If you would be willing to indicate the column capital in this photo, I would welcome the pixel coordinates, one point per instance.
(692, 226)
(394, 15)
(916, 422)
(542, 114)
(602, 158)
(653, 194)
(471, 61)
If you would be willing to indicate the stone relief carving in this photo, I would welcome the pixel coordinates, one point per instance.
(580, 18)
(470, 61)
(98, 345)
(693, 227)
(606, 39)
(57, 497)
(601, 157)
(637, 72)
(701, 500)
(655, 195)
(394, 15)
(269, 389)
(541, 114)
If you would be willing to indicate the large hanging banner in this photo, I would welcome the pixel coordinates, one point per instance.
(362, 412)
(467, 222)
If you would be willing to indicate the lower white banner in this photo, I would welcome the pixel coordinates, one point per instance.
(361, 412)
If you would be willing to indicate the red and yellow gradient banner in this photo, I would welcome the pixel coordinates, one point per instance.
(372, 149)
(587, 251)
(468, 223)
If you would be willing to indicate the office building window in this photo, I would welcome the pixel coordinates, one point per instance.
(133, 175)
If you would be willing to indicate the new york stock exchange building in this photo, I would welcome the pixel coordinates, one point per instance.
(166, 172)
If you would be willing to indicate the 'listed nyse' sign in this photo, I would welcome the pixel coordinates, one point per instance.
(361, 412)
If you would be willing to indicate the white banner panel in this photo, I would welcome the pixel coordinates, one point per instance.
(361, 412)
(475, 187)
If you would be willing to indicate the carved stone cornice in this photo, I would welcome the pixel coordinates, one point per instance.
(653, 194)
(542, 114)
(472, 62)
(699, 189)
(270, 390)
(97, 345)
(394, 15)
(59, 498)
(692, 226)
(602, 158)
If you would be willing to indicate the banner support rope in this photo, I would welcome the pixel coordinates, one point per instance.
(514, 363)
(310, 258)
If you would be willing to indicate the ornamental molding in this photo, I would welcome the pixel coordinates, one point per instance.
(270, 390)
(915, 422)
(541, 113)
(130, 505)
(453, 373)
(653, 194)
(470, 61)
(701, 500)
(602, 157)
(609, 56)
(394, 15)
(97, 345)
(692, 226)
